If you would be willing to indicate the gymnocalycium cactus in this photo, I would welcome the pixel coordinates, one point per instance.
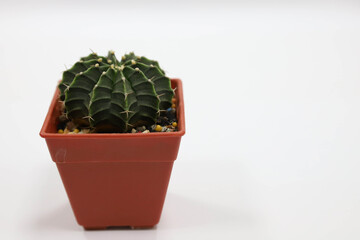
(114, 96)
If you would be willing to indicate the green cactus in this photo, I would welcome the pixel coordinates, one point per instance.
(114, 96)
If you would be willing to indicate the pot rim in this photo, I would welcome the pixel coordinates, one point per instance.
(180, 121)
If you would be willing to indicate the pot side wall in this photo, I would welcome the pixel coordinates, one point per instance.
(116, 194)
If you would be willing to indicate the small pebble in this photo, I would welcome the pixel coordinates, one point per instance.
(70, 125)
(62, 118)
(170, 114)
(60, 131)
(66, 131)
(158, 128)
(146, 131)
(133, 130)
(141, 129)
(164, 129)
(169, 130)
(85, 130)
(174, 124)
(162, 121)
(152, 128)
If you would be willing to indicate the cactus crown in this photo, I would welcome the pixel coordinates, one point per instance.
(114, 96)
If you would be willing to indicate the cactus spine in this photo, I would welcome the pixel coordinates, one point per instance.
(114, 96)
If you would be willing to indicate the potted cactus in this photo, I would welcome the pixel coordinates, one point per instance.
(124, 121)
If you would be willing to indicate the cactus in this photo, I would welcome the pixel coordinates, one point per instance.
(108, 95)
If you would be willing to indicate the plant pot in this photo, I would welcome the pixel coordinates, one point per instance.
(115, 179)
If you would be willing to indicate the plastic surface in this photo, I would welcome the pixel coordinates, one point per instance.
(115, 179)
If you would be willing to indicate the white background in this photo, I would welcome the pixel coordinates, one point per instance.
(272, 113)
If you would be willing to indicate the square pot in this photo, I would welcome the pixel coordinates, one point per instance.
(115, 179)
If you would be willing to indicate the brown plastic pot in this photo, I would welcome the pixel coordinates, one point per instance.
(115, 179)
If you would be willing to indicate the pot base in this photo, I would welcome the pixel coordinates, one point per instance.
(92, 228)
